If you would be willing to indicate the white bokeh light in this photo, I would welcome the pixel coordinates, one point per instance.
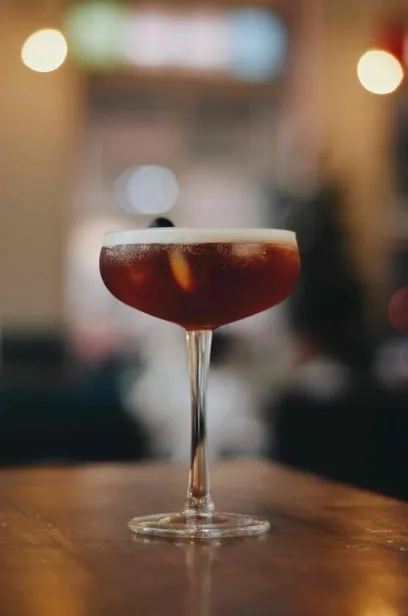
(156, 40)
(44, 51)
(247, 43)
(147, 39)
(379, 71)
(148, 189)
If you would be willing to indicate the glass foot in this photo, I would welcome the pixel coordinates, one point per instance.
(199, 527)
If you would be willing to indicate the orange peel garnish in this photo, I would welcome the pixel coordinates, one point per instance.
(181, 270)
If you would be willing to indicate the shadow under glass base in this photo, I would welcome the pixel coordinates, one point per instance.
(211, 526)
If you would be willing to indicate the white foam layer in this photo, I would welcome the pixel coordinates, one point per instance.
(176, 235)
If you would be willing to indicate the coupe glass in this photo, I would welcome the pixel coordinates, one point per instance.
(199, 279)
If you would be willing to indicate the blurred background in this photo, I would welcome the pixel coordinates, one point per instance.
(249, 114)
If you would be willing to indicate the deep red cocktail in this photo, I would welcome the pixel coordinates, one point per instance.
(200, 279)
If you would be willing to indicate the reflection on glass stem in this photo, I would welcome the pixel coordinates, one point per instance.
(198, 494)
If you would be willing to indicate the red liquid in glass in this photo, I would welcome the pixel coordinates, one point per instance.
(203, 285)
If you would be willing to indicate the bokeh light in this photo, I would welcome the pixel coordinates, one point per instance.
(259, 46)
(95, 31)
(379, 71)
(148, 39)
(155, 39)
(398, 310)
(249, 44)
(45, 50)
(148, 189)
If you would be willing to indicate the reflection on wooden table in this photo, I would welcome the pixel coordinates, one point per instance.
(65, 548)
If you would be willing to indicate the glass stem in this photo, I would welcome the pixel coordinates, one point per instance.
(199, 499)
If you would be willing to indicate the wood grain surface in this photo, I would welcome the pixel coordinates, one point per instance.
(65, 548)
